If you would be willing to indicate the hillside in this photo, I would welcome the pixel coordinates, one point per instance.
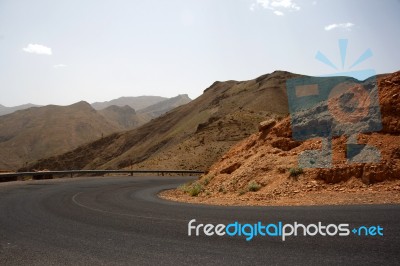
(263, 169)
(135, 103)
(37, 132)
(123, 118)
(192, 136)
(8, 110)
(164, 106)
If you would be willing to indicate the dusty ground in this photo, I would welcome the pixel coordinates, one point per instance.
(296, 193)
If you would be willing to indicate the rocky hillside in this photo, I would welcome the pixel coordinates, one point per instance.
(123, 118)
(191, 136)
(135, 103)
(37, 132)
(33, 133)
(263, 169)
(164, 106)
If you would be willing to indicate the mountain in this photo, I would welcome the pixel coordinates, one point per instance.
(37, 132)
(123, 117)
(136, 103)
(191, 136)
(8, 110)
(30, 134)
(263, 169)
(126, 117)
(162, 107)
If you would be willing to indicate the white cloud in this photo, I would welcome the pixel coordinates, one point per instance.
(37, 49)
(59, 66)
(263, 3)
(346, 26)
(276, 6)
(278, 13)
(285, 4)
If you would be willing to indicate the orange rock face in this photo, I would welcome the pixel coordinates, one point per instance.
(270, 158)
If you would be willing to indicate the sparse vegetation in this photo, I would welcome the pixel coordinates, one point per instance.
(184, 187)
(207, 180)
(193, 189)
(242, 192)
(295, 172)
(253, 186)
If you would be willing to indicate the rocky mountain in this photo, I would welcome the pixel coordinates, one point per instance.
(8, 110)
(135, 103)
(164, 106)
(34, 133)
(263, 169)
(191, 136)
(123, 117)
(37, 132)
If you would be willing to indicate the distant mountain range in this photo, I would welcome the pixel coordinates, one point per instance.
(164, 106)
(36, 132)
(125, 117)
(8, 110)
(136, 103)
(191, 136)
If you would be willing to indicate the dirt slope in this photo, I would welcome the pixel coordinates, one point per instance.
(192, 136)
(263, 169)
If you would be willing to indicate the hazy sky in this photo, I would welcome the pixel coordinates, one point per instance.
(61, 52)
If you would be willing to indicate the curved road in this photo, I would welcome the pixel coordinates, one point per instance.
(120, 221)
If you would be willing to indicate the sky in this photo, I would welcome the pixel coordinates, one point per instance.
(61, 52)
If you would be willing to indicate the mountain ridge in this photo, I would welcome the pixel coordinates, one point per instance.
(191, 136)
(30, 134)
(136, 102)
(263, 169)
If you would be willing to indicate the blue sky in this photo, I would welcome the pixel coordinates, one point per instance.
(61, 52)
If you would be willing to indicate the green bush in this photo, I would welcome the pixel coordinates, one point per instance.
(184, 188)
(195, 189)
(242, 192)
(295, 171)
(206, 181)
(253, 186)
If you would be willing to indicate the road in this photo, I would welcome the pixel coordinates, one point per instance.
(120, 221)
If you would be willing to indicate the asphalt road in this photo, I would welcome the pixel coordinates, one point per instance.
(120, 221)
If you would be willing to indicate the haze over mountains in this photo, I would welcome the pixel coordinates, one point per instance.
(36, 132)
(4, 110)
(191, 136)
(136, 103)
